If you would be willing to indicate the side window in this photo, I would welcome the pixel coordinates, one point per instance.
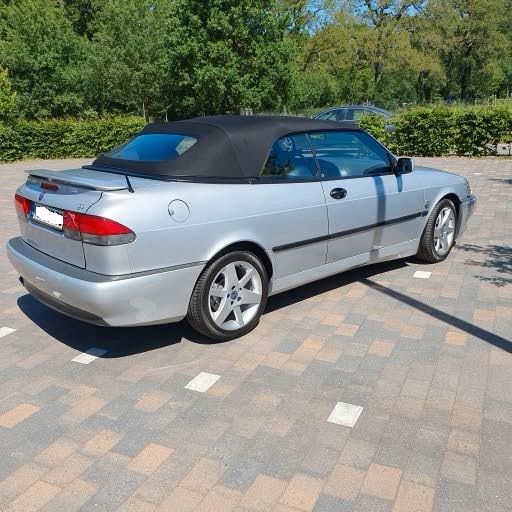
(350, 114)
(290, 158)
(347, 154)
(332, 115)
(340, 114)
(356, 113)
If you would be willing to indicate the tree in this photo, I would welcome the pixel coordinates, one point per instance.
(81, 13)
(130, 56)
(368, 63)
(7, 96)
(44, 58)
(472, 44)
(230, 54)
(386, 18)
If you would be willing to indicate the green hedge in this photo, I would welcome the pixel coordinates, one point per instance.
(439, 131)
(420, 131)
(64, 138)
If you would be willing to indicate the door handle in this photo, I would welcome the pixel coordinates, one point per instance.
(338, 193)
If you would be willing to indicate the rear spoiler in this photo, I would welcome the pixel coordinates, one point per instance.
(114, 182)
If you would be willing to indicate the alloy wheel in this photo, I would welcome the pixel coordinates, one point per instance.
(444, 231)
(235, 295)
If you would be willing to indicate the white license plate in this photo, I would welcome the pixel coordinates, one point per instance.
(47, 215)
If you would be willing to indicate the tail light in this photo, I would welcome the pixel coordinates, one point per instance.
(95, 230)
(22, 205)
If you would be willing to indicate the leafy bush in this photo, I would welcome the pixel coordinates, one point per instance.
(480, 129)
(427, 131)
(64, 138)
(441, 130)
(375, 126)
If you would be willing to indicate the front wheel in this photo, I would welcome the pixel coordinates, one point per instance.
(229, 296)
(439, 235)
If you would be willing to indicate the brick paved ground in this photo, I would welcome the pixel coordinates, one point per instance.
(428, 360)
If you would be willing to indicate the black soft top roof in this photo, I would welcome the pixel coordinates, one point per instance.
(227, 146)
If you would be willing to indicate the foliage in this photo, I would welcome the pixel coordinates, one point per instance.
(171, 59)
(7, 96)
(472, 44)
(480, 129)
(427, 131)
(44, 57)
(229, 54)
(128, 66)
(439, 131)
(61, 138)
(375, 126)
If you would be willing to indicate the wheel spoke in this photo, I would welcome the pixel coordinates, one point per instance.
(217, 292)
(250, 297)
(247, 276)
(446, 216)
(231, 276)
(437, 232)
(222, 313)
(444, 244)
(239, 317)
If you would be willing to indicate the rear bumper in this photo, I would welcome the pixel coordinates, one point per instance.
(467, 207)
(135, 299)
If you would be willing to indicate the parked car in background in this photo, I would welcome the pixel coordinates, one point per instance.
(354, 112)
(206, 218)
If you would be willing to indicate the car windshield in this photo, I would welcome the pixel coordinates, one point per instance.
(153, 147)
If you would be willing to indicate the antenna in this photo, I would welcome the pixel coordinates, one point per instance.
(130, 188)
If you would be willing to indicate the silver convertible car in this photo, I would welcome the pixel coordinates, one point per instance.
(206, 218)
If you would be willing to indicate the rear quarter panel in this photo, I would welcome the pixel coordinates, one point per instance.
(220, 214)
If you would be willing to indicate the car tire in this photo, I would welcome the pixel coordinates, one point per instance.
(219, 306)
(434, 248)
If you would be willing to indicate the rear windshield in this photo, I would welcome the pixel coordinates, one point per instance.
(152, 147)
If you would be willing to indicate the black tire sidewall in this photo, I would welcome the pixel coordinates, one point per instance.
(213, 330)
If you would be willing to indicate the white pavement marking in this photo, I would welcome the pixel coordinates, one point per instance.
(89, 356)
(422, 274)
(345, 414)
(477, 173)
(4, 331)
(202, 382)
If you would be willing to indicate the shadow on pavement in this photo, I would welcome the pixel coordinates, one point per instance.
(118, 341)
(497, 258)
(126, 341)
(467, 327)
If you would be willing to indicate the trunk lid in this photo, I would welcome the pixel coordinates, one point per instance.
(74, 190)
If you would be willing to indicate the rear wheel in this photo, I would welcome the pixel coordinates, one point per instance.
(439, 235)
(229, 296)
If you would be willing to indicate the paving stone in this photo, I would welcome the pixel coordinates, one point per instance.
(381, 481)
(327, 503)
(302, 492)
(427, 359)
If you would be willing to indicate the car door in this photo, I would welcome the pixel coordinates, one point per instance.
(290, 186)
(369, 207)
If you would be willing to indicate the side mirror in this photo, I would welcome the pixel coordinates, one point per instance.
(404, 165)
